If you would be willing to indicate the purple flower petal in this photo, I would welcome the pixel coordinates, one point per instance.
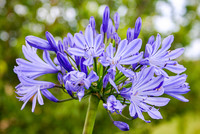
(49, 95)
(64, 61)
(51, 41)
(89, 36)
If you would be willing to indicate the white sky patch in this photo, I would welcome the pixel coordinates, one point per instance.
(21, 9)
(198, 10)
(195, 31)
(92, 6)
(171, 16)
(55, 11)
(70, 14)
(42, 13)
(179, 9)
(192, 52)
(179, 6)
(122, 10)
(164, 24)
(50, 19)
(164, 8)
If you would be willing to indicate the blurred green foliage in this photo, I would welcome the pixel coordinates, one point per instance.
(19, 18)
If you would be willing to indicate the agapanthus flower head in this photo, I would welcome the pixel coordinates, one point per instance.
(106, 67)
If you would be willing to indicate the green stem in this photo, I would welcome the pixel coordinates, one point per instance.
(91, 114)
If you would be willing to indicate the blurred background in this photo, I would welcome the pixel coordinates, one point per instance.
(19, 18)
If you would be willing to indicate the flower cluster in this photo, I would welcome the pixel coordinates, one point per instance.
(103, 64)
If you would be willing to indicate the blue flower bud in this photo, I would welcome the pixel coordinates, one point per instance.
(64, 61)
(116, 20)
(60, 78)
(138, 25)
(92, 22)
(116, 38)
(121, 125)
(65, 44)
(60, 47)
(130, 34)
(51, 41)
(38, 43)
(70, 39)
(83, 67)
(106, 16)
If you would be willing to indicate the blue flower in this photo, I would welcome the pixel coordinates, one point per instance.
(106, 16)
(35, 67)
(110, 30)
(125, 55)
(113, 105)
(92, 23)
(75, 81)
(29, 88)
(121, 125)
(175, 86)
(39, 43)
(134, 33)
(116, 20)
(87, 46)
(161, 58)
(142, 94)
(64, 62)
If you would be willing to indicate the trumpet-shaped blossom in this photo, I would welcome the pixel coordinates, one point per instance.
(125, 55)
(143, 94)
(35, 66)
(175, 86)
(29, 88)
(76, 82)
(87, 46)
(162, 58)
(113, 105)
